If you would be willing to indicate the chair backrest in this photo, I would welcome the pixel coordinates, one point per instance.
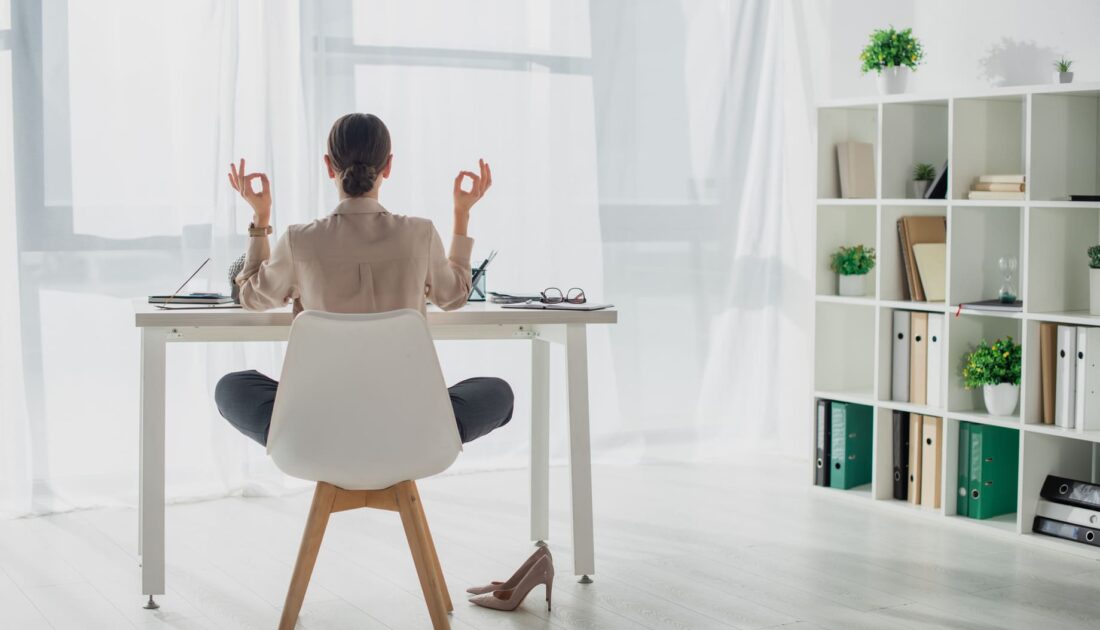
(362, 403)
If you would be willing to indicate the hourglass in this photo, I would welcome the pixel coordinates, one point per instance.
(1007, 292)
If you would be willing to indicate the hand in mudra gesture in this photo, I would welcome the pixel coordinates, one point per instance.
(260, 201)
(464, 200)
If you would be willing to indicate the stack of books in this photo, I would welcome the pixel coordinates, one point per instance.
(998, 187)
(843, 442)
(917, 458)
(1069, 509)
(1069, 371)
(988, 470)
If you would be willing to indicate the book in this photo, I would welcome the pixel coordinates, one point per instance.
(938, 188)
(993, 305)
(1084, 197)
(1001, 179)
(999, 187)
(962, 488)
(856, 169)
(915, 230)
(851, 436)
(994, 470)
(983, 194)
(918, 358)
(899, 377)
(931, 468)
(1065, 379)
(931, 267)
(1048, 362)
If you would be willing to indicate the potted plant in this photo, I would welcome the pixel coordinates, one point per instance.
(892, 54)
(996, 369)
(1062, 73)
(852, 264)
(1094, 280)
(923, 174)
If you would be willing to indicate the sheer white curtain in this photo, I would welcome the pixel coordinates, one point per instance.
(638, 152)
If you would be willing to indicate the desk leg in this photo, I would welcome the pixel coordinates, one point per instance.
(580, 451)
(151, 475)
(540, 441)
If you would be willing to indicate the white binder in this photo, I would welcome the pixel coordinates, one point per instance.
(1065, 384)
(1069, 514)
(935, 359)
(1087, 408)
(900, 380)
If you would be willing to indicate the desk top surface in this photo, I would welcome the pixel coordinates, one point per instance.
(148, 315)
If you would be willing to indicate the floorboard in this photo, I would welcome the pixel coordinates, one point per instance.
(744, 546)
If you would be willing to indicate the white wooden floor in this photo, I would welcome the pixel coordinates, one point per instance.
(734, 546)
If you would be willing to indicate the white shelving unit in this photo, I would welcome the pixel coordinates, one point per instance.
(1052, 135)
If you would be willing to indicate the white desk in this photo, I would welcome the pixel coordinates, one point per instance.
(475, 321)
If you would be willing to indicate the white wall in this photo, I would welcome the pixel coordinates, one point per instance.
(969, 44)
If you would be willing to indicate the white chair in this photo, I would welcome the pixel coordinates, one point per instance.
(362, 409)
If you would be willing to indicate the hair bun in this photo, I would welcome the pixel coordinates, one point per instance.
(358, 179)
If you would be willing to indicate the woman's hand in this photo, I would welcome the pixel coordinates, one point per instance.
(464, 200)
(260, 201)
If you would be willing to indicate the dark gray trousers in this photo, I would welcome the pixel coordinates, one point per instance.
(246, 399)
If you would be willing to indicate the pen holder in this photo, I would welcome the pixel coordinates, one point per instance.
(477, 287)
(234, 269)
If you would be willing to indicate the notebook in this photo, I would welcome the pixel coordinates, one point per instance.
(931, 265)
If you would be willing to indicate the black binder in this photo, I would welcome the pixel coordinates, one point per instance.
(901, 455)
(823, 440)
(1070, 492)
(1058, 529)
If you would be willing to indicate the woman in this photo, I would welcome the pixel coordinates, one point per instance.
(358, 259)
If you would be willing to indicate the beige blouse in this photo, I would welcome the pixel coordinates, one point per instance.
(359, 259)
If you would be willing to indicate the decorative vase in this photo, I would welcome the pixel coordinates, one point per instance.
(892, 79)
(1094, 291)
(853, 285)
(1063, 77)
(917, 189)
(1001, 399)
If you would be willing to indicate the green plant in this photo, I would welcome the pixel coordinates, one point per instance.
(853, 261)
(889, 47)
(924, 172)
(1094, 257)
(1063, 64)
(993, 364)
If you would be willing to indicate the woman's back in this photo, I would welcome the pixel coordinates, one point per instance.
(360, 259)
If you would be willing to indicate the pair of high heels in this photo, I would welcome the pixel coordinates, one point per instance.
(508, 595)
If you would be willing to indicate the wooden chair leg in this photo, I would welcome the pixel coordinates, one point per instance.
(319, 512)
(408, 505)
(430, 544)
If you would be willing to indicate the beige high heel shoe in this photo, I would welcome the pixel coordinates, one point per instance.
(516, 577)
(542, 572)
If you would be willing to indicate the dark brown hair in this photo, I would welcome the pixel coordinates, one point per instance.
(358, 146)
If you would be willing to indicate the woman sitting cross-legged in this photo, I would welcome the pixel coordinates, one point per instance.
(358, 259)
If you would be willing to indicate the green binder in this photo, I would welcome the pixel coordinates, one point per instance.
(994, 468)
(851, 445)
(962, 489)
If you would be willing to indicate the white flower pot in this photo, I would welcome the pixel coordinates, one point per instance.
(1094, 291)
(1063, 77)
(853, 286)
(1001, 399)
(917, 189)
(892, 79)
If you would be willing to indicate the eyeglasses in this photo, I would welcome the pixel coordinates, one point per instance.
(553, 295)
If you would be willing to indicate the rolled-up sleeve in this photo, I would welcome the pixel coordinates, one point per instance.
(267, 279)
(448, 283)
